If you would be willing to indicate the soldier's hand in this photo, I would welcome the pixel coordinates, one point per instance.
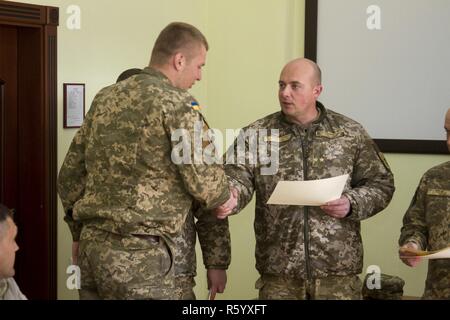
(217, 280)
(407, 256)
(75, 249)
(227, 208)
(338, 209)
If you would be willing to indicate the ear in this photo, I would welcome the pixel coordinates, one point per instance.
(317, 90)
(179, 61)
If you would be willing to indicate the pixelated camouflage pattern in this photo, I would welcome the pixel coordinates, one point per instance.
(304, 242)
(118, 174)
(125, 267)
(185, 287)
(427, 223)
(391, 288)
(214, 237)
(330, 288)
(185, 257)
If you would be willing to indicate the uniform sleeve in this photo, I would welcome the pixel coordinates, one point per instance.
(240, 172)
(205, 182)
(72, 176)
(372, 181)
(215, 241)
(414, 225)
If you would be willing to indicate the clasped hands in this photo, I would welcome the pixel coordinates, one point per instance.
(227, 208)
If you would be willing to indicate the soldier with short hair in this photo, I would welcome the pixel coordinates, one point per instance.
(214, 237)
(305, 252)
(426, 225)
(124, 197)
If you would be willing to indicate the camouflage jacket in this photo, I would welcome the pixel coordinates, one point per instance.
(427, 223)
(214, 238)
(304, 242)
(118, 174)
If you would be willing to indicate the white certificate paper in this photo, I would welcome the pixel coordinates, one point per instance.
(438, 254)
(308, 193)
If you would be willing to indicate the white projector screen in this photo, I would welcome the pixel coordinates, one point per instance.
(386, 64)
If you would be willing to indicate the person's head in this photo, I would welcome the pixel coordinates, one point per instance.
(8, 245)
(180, 53)
(299, 87)
(447, 127)
(128, 73)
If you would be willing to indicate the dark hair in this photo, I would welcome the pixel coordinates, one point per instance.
(128, 73)
(5, 213)
(173, 38)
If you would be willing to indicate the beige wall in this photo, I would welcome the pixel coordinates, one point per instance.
(250, 42)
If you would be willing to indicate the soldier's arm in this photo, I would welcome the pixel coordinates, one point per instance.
(372, 181)
(207, 183)
(72, 177)
(414, 225)
(240, 173)
(214, 238)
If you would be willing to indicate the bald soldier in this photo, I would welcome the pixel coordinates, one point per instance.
(426, 225)
(125, 197)
(305, 252)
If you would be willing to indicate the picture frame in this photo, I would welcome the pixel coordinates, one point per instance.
(74, 105)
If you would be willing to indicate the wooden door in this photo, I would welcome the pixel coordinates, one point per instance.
(28, 140)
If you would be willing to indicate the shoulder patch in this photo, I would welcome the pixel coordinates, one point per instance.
(330, 135)
(281, 139)
(195, 106)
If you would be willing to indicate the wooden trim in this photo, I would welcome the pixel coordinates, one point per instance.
(46, 19)
(51, 144)
(21, 13)
(2, 136)
(385, 145)
(412, 146)
(311, 11)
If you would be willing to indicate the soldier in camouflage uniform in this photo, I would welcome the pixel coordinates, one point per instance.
(426, 225)
(214, 238)
(124, 198)
(305, 252)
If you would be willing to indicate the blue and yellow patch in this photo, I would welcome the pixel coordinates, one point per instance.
(195, 106)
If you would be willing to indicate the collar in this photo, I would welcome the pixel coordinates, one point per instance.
(322, 115)
(3, 288)
(156, 74)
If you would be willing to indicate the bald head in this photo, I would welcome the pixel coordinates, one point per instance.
(303, 65)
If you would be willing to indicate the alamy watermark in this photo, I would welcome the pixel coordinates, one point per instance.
(255, 147)
(74, 279)
(373, 281)
(73, 21)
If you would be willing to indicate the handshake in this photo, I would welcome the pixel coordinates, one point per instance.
(228, 207)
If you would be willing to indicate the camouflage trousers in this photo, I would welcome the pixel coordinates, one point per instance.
(330, 288)
(185, 287)
(437, 286)
(124, 267)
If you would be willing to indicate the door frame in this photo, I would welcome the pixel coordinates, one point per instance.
(46, 18)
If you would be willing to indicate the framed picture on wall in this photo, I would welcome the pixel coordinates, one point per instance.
(74, 104)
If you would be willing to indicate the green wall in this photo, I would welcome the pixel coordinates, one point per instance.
(250, 42)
